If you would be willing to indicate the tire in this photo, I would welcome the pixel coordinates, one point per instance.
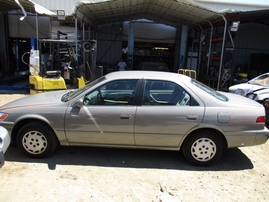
(36, 140)
(202, 148)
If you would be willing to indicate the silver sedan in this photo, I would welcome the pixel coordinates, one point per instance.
(137, 109)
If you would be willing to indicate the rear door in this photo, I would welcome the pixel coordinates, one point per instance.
(166, 114)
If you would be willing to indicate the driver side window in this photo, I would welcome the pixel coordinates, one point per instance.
(118, 92)
(93, 98)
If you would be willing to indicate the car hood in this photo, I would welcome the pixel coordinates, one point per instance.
(47, 98)
(247, 88)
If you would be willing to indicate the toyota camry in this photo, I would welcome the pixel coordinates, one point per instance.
(137, 109)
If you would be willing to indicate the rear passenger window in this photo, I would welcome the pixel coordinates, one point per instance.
(158, 92)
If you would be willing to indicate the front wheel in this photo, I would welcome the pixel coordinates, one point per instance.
(36, 140)
(202, 148)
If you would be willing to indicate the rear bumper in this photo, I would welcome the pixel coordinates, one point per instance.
(262, 136)
(247, 138)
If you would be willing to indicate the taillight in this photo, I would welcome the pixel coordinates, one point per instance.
(261, 119)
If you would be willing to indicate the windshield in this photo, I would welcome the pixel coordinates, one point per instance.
(262, 80)
(209, 90)
(71, 94)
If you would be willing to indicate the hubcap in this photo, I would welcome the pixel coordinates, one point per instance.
(34, 142)
(203, 149)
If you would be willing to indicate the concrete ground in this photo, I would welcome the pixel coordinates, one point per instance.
(99, 174)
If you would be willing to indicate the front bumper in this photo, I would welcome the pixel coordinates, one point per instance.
(4, 139)
(2, 158)
(4, 144)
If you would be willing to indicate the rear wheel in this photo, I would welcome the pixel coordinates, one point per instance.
(36, 140)
(202, 148)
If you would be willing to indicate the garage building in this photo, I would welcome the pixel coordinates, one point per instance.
(216, 39)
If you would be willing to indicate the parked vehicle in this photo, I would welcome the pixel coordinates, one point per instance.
(256, 89)
(137, 109)
(4, 143)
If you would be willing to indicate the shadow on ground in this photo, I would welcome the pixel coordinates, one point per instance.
(232, 159)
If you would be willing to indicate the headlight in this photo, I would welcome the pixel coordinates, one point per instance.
(1, 143)
(251, 96)
(240, 92)
(3, 116)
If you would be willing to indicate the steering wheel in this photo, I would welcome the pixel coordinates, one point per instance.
(87, 101)
(99, 98)
(95, 100)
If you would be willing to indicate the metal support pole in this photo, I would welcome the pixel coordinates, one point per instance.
(222, 52)
(131, 44)
(192, 47)
(37, 37)
(183, 46)
(200, 52)
(76, 37)
(210, 44)
(83, 30)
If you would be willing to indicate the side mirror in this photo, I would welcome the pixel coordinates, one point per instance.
(78, 104)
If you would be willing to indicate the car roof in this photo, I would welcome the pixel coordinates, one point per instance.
(137, 74)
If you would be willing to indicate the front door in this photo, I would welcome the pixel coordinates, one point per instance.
(107, 116)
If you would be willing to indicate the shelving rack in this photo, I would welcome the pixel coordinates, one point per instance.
(216, 48)
(153, 52)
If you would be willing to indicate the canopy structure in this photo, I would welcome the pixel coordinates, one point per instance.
(25, 6)
(42, 10)
(175, 13)
(170, 12)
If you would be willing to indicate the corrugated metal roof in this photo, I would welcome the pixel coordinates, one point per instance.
(226, 6)
(169, 12)
(7, 5)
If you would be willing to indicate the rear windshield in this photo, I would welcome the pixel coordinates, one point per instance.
(209, 90)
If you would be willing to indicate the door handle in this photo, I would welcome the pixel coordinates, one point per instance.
(192, 117)
(126, 116)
